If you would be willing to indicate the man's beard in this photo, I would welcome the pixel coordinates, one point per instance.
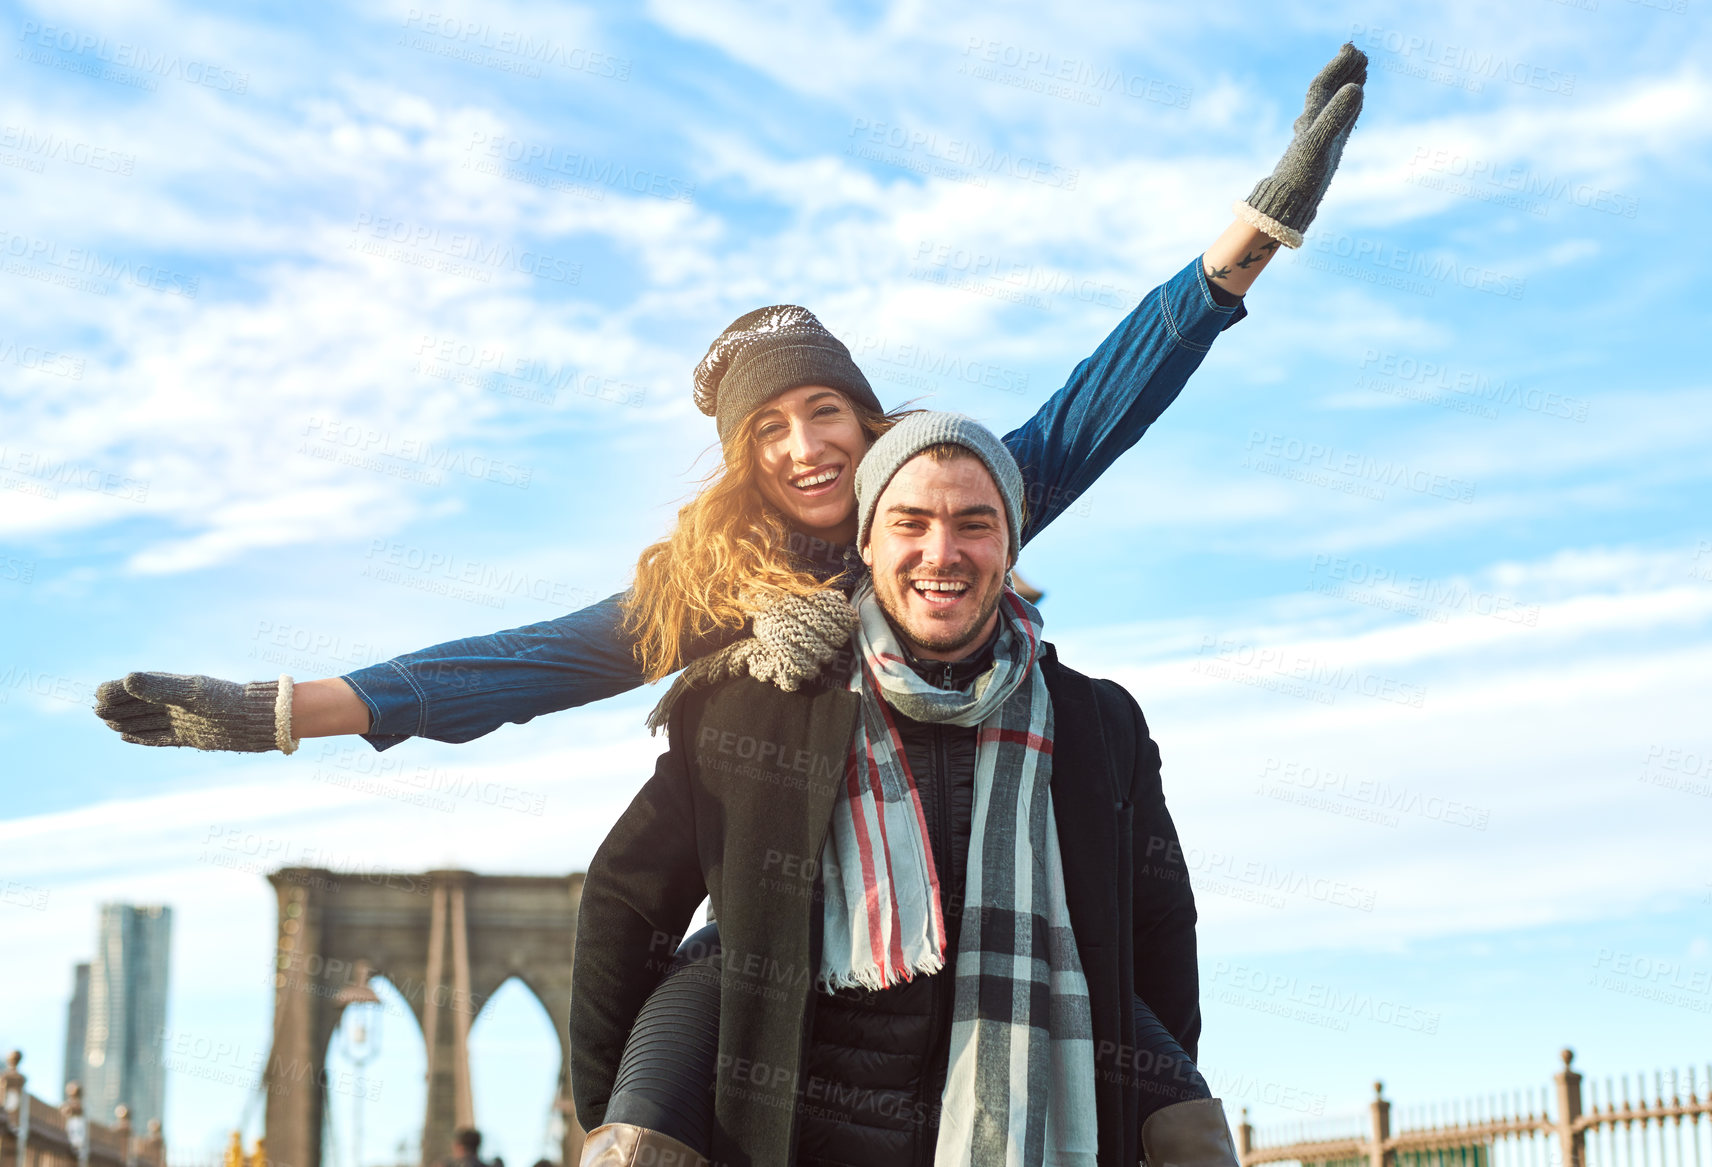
(934, 634)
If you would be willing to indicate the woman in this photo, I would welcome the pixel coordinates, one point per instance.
(462, 689)
(796, 417)
(687, 600)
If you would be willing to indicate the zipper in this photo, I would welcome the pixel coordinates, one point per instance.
(941, 767)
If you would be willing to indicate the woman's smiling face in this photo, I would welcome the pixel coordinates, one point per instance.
(808, 441)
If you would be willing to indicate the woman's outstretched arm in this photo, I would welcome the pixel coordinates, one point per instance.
(449, 692)
(1113, 397)
(1119, 391)
(461, 689)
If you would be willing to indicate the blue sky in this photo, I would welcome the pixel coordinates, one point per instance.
(305, 318)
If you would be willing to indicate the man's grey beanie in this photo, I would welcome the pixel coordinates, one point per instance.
(916, 433)
(767, 352)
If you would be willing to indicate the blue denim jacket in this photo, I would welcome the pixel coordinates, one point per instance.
(462, 689)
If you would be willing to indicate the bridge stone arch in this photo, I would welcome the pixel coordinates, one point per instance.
(447, 940)
(513, 1035)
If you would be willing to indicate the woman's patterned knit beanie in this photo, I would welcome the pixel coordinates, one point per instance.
(768, 352)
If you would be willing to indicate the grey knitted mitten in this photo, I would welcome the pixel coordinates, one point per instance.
(205, 713)
(1283, 204)
(792, 639)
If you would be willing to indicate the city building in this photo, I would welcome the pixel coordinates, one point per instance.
(126, 1014)
(76, 1024)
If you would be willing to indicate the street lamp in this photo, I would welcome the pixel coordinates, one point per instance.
(77, 1133)
(361, 1043)
(76, 1126)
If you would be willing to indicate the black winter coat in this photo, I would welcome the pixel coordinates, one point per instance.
(739, 805)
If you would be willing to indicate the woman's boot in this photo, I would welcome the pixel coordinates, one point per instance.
(1188, 1134)
(618, 1144)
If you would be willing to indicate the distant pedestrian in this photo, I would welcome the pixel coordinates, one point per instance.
(466, 1148)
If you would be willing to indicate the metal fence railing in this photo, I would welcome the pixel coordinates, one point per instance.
(1559, 1125)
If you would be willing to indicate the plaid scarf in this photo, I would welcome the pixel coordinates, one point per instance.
(1019, 1089)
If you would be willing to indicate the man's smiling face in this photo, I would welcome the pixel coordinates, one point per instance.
(939, 552)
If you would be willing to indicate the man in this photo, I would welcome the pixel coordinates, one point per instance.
(941, 879)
